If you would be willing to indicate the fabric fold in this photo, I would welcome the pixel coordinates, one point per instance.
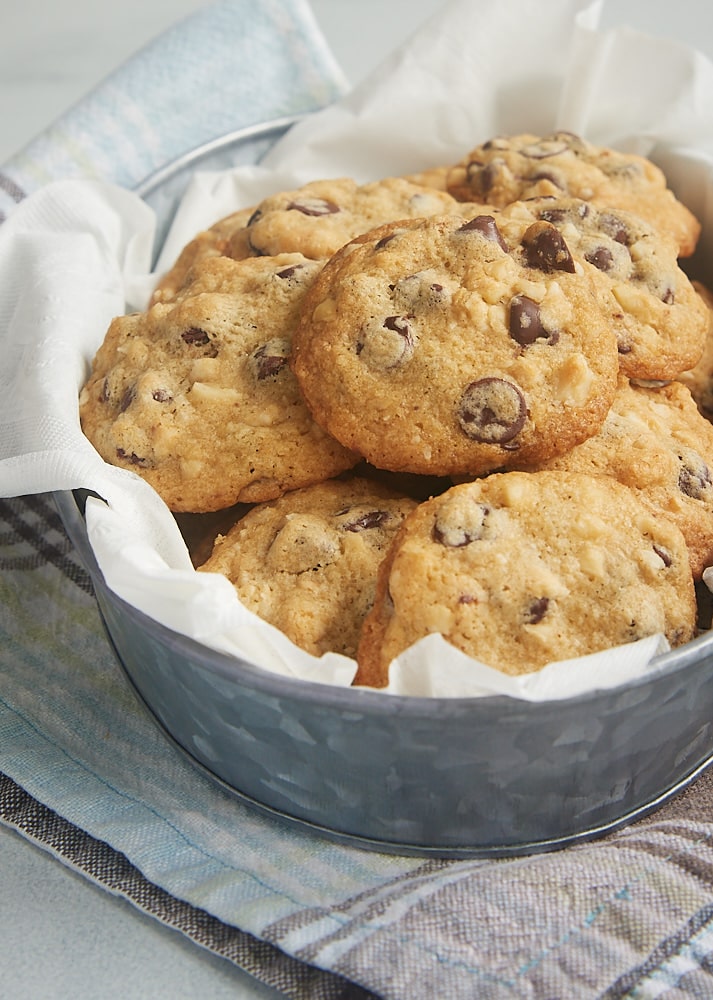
(85, 773)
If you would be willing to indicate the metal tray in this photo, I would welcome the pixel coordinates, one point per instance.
(427, 776)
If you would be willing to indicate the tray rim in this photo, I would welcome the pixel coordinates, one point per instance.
(230, 667)
(371, 702)
(669, 662)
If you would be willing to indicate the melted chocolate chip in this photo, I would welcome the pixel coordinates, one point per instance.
(537, 610)
(694, 479)
(289, 272)
(487, 227)
(525, 324)
(542, 150)
(195, 336)
(128, 398)
(601, 257)
(161, 395)
(255, 250)
(554, 215)
(558, 215)
(663, 555)
(546, 250)
(270, 358)
(380, 244)
(482, 178)
(372, 519)
(456, 528)
(615, 227)
(104, 394)
(132, 457)
(400, 325)
(384, 351)
(257, 214)
(492, 411)
(549, 175)
(314, 206)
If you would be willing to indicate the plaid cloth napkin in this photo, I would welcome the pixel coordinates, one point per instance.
(88, 776)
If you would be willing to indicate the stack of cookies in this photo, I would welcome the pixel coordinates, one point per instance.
(473, 401)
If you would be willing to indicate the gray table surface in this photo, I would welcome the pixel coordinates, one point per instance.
(61, 936)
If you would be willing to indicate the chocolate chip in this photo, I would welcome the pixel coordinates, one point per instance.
(572, 140)
(162, 395)
(132, 457)
(601, 257)
(457, 524)
(314, 206)
(665, 556)
(104, 394)
(289, 272)
(487, 227)
(694, 478)
(399, 324)
(195, 336)
(525, 322)
(537, 610)
(546, 250)
(384, 241)
(372, 519)
(303, 544)
(270, 358)
(551, 176)
(668, 296)
(386, 346)
(483, 178)
(551, 145)
(257, 214)
(415, 292)
(255, 250)
(127, 399)
(615, 227)
(627, 170)
(554, 215)
(492, 410)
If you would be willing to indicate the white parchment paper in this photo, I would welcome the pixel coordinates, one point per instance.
(78, 253)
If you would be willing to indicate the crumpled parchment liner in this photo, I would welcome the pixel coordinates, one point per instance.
(475, 70)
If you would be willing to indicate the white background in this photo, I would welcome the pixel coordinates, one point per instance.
(61, 937)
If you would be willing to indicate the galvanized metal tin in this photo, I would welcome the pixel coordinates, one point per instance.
(452, 777)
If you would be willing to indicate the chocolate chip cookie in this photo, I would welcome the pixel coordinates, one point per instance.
(514, 168)
(307, 563)
(432, 346)
(211, 242)
(196, 395)
(659, 320)
(656, 442)
(520, 569)
(319, 218)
